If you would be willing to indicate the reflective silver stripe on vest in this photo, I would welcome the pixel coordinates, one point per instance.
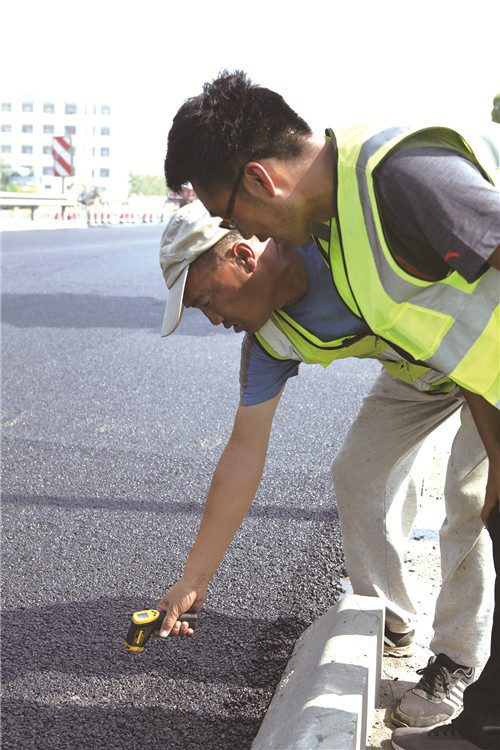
(450, 300)
(451, 349)
(278, 340)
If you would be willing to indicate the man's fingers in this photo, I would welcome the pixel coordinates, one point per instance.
(181, 628)
(168, 625)
(172, 627)
(179, 617)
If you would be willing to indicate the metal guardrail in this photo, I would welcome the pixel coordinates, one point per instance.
(33, 200)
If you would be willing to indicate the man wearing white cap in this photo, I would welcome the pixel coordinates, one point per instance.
(260, 271)
(184, 240)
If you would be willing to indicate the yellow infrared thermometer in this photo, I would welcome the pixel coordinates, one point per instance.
(146, 621)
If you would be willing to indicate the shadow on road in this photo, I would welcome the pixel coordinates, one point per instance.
(66, 310)
(98, 695)
(169, 507)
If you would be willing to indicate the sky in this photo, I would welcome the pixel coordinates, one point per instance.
(334, 62)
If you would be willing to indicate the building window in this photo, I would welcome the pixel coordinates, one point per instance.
(105, 131)
(104, 151)
(48, 129)
(105, 109)
(6, 128)
(27, 128)
(70, 109)
(47, 150)
(49, 108)
(6, 149)
(6, 107)
(104, 173)
(70, 130)
(26, 149)
(27, 107)
(48, 170)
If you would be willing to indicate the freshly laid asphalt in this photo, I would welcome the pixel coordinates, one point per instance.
(110, 436)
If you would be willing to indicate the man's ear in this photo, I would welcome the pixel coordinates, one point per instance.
(244, 254)
(258, 177)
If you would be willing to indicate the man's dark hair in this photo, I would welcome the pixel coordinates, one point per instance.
(230, 123)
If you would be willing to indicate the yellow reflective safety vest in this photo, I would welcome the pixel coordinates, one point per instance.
(421, 329)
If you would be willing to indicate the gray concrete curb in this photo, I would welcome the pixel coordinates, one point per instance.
(326, 697)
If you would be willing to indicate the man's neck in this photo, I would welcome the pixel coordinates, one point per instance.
(317, 183)
(293, 280)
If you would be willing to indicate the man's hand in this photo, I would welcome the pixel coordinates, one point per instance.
(178, 600)
(492, 497)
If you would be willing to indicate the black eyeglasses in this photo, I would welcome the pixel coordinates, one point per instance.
(227, 222)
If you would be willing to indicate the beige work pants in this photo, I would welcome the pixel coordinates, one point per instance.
(377, 482)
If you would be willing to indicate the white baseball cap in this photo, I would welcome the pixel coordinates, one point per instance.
(190, 232)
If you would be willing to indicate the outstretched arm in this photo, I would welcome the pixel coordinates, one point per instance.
(234, 484)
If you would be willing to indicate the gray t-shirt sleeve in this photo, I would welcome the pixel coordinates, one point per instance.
(438, 211)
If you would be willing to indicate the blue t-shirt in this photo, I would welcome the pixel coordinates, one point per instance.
(321, 311)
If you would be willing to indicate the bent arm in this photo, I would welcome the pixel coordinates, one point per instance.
(234, 484)
(487, 420)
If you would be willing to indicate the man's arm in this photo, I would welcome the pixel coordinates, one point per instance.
(234, 484)
(487, 419)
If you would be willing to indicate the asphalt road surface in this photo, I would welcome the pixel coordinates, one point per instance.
(110, 436)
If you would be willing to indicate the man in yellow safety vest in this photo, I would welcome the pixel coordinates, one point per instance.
(386, 244)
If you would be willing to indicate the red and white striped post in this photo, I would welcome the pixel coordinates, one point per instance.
(63, 157)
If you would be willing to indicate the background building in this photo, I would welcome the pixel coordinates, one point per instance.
(27, 127)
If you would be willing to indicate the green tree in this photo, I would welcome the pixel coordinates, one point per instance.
(5, 171)
(146, 184)
(495, 112)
